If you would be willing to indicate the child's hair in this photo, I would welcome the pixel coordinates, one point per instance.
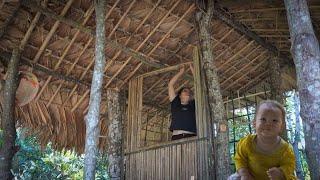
(274, 104)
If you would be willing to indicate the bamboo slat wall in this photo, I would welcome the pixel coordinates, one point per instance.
(183, 159)
(134, 114)
(179, 160)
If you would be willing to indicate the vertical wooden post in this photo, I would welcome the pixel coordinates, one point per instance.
(8, 116)
(115, 157)
(275, 87)
(306, 55)
(297, 137)
(216, 107)
(93, 116)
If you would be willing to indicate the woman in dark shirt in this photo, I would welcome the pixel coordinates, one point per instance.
(183, 122)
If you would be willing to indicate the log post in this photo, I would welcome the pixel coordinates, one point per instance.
(115, 138)
(93, 116)
(275, 87)
(216, 106)
(306, 55)
(7, 150)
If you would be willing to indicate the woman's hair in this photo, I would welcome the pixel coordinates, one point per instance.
(274, 104)
(181, 89)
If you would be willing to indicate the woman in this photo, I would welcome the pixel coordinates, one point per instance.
(183, 116)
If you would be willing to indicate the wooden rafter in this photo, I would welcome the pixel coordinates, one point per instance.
(244, 67)
(241, 77)
(91, 63)
(52, 31)
(139, 47)
(159, 42)
(137, 55)
(245, 58)
(66, 50)
(253, 81)
(230, 21)
(33, 24)
(28, 62)
(9, 20)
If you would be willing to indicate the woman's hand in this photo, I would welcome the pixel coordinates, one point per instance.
(182, 69)
(191, 68)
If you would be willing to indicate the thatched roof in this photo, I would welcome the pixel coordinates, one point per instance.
(142, 36)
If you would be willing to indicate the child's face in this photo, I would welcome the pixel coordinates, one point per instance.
(268, 122)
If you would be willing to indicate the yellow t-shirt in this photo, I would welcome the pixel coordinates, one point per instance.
(258, 163)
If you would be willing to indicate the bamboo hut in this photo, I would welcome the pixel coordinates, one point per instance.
(146, 43)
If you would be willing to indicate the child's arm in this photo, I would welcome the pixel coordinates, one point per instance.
(275, 173)
(173, 80)
(287, 164)
(245, 174)
(241, 160)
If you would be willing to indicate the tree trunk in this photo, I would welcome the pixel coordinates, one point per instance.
(275, 87)
(115, 136)
(297, 137)
(92, 118)
(217, 112)
(7, 150)
(306, 55)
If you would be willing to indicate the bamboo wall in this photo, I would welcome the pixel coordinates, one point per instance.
(190, 158)
(175, 161)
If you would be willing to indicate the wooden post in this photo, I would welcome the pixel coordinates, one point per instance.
(216, 106)
(306, 55)
(92, 118)
(7, 150)
(275, 87)
(115, 157)
(297, 137)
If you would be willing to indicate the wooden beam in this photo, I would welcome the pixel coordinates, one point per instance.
(52, 31)
(241, 28)
(91, 63)
(163, 70)
(47, 12)
(243, 68)
(162, 39)
(6, 56)
(136, 50)
(240, 78)
(64, 54)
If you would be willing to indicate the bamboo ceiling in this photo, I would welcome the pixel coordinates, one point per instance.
(142, 36)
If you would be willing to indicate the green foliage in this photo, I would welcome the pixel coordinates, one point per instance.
(31, 162)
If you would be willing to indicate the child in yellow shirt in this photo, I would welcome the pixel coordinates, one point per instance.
(265, 155)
